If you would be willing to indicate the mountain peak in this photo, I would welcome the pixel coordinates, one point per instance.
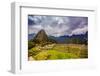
(42, 30)
(41, 36)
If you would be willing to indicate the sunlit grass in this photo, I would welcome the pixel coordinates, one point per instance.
(53, 54)
(58, 51)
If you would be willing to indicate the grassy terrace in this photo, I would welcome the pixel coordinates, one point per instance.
(58, 51)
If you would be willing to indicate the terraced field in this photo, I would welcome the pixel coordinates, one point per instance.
(58, 51)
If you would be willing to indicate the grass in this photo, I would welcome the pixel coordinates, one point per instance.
(53, 54)
(59, 51)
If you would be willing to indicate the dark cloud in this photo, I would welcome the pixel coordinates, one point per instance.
(57, 25)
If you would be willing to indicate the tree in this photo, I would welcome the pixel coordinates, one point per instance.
(30, 44)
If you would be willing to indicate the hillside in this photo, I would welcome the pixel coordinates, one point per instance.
(40, 38)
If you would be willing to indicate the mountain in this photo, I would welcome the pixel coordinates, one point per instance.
(78, 39)
(61, 39)
(42, 38)
(81, 38)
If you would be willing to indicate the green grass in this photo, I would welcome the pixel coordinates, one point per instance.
(53, 54)
(58, 51)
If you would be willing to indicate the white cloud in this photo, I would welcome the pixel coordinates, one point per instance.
(80, 30)
(58, 26)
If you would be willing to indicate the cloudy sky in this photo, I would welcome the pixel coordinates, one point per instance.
(58, 25)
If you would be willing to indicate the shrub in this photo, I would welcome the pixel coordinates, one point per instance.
(30, 44)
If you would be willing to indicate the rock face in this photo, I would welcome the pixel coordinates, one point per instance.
(42, 38)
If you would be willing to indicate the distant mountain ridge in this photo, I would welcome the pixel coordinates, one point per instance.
(61, 39)
(67, 39)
